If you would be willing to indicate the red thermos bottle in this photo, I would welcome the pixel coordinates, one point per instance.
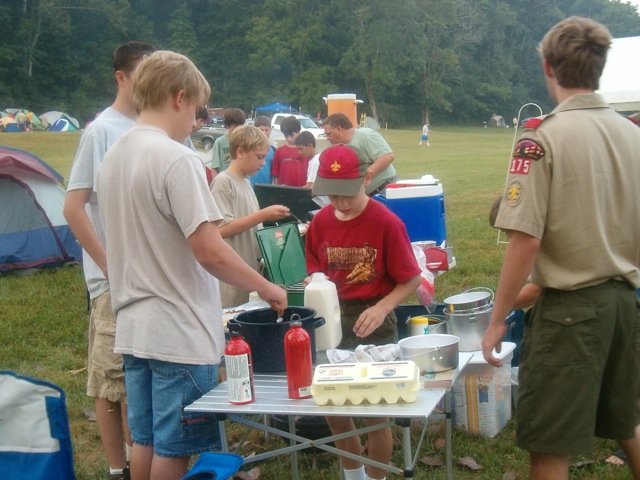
(237, 359)
(297, 356)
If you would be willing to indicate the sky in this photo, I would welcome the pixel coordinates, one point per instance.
(634, 2)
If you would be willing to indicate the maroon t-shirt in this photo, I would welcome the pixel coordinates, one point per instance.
(290, 166)
(365, 257)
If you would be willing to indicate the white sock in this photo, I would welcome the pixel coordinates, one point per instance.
(355, 474)
(115, 471)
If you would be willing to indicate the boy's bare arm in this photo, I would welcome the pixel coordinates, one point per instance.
(242, 224)
(527, 296)
(519, 257)
(76, 215)
(372, 317)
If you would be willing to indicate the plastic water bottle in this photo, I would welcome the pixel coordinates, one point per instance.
(321, 294)
(297, 357)
(237, 359)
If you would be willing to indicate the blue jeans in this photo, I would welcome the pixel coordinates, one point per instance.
(157, 393)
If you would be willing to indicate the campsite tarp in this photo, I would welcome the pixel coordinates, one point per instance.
(276, 107)
(619, 81)
(33, 231)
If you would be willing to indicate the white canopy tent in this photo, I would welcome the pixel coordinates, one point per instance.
(619, 83)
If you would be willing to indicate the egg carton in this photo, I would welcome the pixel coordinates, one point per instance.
(367, 382)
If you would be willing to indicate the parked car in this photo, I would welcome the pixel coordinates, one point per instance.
(308, 124)
(206, 136)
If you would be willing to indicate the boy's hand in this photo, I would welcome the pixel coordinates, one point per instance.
(276, 296)
(275, 212)
(369, 321)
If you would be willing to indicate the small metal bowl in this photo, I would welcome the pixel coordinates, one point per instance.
(432, 353)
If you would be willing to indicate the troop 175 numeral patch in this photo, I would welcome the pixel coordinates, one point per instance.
(526, 150)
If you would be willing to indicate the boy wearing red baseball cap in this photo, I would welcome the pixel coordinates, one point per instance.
(365, 250)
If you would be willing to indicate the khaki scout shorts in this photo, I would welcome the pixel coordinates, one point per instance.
(105, 374)
(580, 370)
(384, 334)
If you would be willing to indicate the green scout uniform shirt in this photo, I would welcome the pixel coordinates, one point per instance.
(574, 183)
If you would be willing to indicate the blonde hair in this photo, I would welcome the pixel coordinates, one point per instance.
(249, 138)
(163, 74)
(576, 49)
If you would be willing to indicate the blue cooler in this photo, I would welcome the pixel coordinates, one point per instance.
(420, 207)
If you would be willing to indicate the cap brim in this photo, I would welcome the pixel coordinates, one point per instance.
(344, 188)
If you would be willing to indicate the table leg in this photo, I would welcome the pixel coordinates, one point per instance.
(224, 443)
(448, 435)
(406, 450)
(294, 454)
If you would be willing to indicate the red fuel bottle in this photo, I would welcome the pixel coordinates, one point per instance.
(237, 359)
(297, 355)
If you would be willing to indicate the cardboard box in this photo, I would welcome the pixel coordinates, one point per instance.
(482, 394)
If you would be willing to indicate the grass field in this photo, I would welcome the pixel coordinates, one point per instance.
(44, 316)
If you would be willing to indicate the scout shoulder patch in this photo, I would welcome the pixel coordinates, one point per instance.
(514, 193)
(525, 151)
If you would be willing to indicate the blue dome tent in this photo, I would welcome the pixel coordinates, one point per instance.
(33, 231)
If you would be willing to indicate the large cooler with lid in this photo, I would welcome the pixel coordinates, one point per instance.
(283, 253)
(420, 207)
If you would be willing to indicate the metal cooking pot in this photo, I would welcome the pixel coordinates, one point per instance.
(474, 298)
(265, 334)
(468, 315)
(432, 353)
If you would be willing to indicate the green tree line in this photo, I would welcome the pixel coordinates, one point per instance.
(408, 60)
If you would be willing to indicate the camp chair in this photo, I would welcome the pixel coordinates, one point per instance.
(214, 466)
(35, 441)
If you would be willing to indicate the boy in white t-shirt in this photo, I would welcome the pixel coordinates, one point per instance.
(105, 376)
(165, 253)
(306, 144)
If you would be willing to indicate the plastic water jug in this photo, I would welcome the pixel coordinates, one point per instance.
(321, 295)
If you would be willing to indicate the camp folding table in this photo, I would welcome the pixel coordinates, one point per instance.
(272, 399)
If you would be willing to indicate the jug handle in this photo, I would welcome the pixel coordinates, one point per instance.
(233, 326)
(318, 322)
